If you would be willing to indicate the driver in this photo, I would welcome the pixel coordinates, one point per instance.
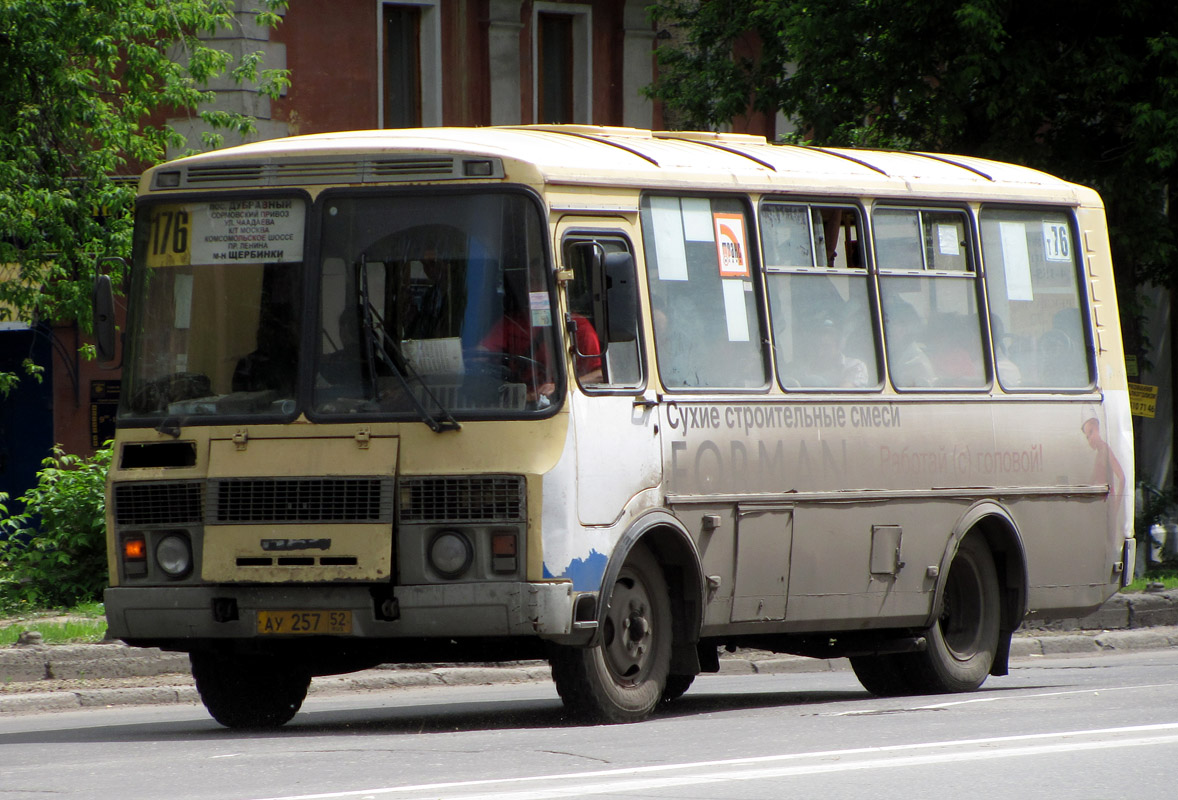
(526, 345)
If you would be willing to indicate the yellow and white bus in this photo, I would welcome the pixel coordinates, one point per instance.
(612, 398)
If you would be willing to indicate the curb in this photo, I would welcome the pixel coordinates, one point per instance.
(31, 677)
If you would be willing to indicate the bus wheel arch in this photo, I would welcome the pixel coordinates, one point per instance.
(992, 523)
(648, 622)
(978, 602)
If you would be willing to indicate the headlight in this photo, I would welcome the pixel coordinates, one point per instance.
(450, 553)
(173, 554)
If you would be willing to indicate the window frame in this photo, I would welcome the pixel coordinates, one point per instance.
(580, 235)
(1084, 300)
(755, 276)
(863, 271)
(973, 273)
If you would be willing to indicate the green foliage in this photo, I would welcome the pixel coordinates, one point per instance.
(54, 551)
(79, 83)
(1084, 89)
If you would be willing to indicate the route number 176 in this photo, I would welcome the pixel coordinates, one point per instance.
(168, 237)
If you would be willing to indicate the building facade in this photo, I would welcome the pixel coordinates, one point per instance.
(364, 64)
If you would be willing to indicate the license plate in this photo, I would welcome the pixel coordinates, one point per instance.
(296, 622)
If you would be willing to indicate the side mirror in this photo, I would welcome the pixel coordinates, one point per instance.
(103, 301)
(621, 294)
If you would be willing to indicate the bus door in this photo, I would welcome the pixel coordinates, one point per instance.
(616, 428)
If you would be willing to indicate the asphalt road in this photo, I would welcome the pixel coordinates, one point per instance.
(1075, 726)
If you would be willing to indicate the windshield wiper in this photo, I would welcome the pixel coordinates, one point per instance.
(379, 345)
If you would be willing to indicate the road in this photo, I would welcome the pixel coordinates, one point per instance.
(1104, 726)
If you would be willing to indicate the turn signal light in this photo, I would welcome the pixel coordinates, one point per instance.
(503, 552)
(135, 549)
(134, 556)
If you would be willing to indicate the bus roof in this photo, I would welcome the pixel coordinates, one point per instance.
(628, 157)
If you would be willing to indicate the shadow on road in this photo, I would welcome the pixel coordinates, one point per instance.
(462, 715)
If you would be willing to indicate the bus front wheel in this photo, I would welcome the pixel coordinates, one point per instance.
(622, 678)
(248, 691)
(961, 644)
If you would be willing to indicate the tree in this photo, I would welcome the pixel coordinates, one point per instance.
(79, 83)
(1083, 89)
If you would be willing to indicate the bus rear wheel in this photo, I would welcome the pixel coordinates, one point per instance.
(963, 642)
(961, 645)
(622, 678)
(249, 691)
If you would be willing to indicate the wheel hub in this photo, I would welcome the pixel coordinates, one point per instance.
(636, 628)
(629, 632)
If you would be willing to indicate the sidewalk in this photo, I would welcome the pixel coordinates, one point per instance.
(55, 677)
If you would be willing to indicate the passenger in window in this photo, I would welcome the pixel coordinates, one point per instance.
(587, 353)
(908, 362)
(435, 312)
(832, 219)
(271, 365)
(1008, 372)
(954, 350)
(827, 366)
(1061, 355)
(344, 364)
(587, 350)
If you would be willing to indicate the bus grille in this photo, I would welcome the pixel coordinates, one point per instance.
(485, 498)
(157, 503)
(304, 500)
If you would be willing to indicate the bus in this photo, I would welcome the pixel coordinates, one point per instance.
(611, 398)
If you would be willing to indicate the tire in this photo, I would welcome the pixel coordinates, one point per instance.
(963, 642)
(623, 677)
(961, 645)
(249, 691)
(677, 686)
(884, 675)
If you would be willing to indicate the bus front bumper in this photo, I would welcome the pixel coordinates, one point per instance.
(457, 610)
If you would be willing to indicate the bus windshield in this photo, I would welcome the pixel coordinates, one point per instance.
(428, 308)
(434, 305)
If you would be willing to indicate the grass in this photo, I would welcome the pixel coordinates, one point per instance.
(80, 624)
(1167, 577)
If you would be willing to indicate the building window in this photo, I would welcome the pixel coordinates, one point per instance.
(555, 56)
(561, 55)
(410, 64)
(402, 66)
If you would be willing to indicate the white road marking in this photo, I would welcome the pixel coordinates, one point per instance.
(1013, 695)
(663, 776)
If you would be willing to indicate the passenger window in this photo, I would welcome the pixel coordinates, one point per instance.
(601, 358)
(929, 295)
(707, 329)
(1036, 315)
(819, 305)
